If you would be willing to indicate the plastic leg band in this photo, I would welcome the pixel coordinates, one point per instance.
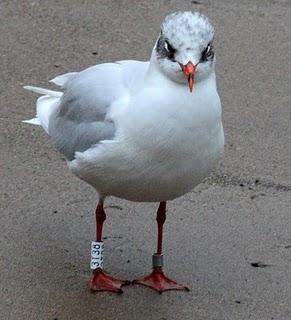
(97, 249)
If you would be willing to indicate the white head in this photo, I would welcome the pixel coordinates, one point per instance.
(184, 48)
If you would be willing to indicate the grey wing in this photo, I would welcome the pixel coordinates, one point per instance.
(71, 137)
(80, 120)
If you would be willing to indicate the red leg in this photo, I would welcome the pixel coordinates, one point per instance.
(100, 280)
(157, 280)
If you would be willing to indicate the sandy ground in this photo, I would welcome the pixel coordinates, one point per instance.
(229, 239)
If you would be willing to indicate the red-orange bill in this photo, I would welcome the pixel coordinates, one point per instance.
(189, 71)
(191, 81)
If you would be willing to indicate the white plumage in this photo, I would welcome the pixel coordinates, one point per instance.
(135, 130)
(130, 130)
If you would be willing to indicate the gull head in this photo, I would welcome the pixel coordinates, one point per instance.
(184, 50)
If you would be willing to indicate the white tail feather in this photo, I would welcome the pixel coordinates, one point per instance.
(45, 106)
(63, 79)
(48, 103)
(39, 90)
(33, 121)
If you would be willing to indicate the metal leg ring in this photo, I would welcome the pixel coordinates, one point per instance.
(158, 260)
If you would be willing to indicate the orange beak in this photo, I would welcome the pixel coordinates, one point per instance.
(189, 71)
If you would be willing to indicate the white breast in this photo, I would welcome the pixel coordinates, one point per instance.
(162, 148)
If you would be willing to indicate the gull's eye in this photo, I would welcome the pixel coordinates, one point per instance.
(170, 50)
(165, 50)
(207, 53)
(168, 47)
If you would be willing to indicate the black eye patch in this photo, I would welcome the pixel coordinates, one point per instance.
(171, 50)
(165, 49)
(208, 53)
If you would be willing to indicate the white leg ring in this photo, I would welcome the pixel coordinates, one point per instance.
(97, 249)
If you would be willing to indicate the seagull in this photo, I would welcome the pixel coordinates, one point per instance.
(147, 131)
